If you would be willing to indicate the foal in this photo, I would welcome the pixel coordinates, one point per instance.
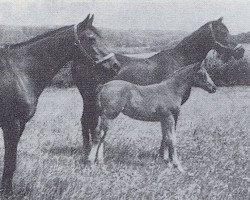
(156, 103)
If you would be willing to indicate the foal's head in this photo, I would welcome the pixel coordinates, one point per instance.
(202, 79)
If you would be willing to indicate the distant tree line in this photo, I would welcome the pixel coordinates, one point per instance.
(235, 72)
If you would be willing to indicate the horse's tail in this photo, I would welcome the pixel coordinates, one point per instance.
(98, 102)
(99, 88)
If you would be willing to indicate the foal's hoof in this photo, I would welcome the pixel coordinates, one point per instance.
(85, 162)
(161, 161)
(99, 161)
(180, 168)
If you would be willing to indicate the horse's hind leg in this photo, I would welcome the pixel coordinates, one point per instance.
(12, 132)
(169, 141)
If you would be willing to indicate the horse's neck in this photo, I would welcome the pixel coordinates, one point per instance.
(48, 55)
(193, 48)
(124, 59)
(55, 51)
(166, 63)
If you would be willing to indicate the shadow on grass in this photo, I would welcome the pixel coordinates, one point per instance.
(119, 154)
(64, 150)
(126, 154)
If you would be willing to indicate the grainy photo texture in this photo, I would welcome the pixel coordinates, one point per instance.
(124, 99)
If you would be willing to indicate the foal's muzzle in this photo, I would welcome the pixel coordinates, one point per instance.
(211, 89)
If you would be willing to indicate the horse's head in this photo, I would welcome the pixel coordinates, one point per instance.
(202, 79)
(222, 42)
(91, 47)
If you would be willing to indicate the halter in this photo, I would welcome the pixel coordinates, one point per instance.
(221, 45)
(216, 42)
(83, 50)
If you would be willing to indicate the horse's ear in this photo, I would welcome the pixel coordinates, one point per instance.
(220, 20)
(82, 25)
(90, 22)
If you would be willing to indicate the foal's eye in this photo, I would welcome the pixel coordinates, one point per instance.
(92, 38)
(202, 76)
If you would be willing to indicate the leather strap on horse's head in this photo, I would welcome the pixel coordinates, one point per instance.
(218, 43)
(83, 50)
(79, 45)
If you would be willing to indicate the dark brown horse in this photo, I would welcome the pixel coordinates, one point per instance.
(192, 49)
(160, 102)
(27, 68)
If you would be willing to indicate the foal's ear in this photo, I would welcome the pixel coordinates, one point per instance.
(197, 66)
(220, 20)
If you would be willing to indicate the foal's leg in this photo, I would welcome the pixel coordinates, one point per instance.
(169, 141)
(97, 149)
(12, 132)
(104, 126)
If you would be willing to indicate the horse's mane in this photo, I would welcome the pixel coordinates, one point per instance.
(192, 37)
(47, 34)
(38, 37)
(184, 41)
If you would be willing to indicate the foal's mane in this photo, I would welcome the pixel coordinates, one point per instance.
(38, 37)
(182, 71)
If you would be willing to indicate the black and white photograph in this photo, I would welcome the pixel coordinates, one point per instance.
(125, 99)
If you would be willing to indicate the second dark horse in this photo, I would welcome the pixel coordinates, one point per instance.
(192, 49)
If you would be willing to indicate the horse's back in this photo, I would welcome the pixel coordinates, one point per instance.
(146, 71)
(138, 71)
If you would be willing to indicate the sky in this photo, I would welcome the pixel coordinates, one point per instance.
(185, 15)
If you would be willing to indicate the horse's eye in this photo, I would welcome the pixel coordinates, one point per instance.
(224, 34)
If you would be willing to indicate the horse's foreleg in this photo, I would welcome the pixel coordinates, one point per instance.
(169, 141)
(12, 132)
(89, 118)
(85, 136)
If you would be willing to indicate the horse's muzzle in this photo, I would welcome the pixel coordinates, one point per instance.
(116, 67)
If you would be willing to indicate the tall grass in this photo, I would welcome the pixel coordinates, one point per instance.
(213, 143)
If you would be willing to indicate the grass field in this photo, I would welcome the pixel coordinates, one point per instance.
(213, 144)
